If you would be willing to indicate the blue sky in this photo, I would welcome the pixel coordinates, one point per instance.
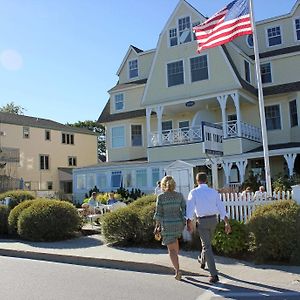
(58, 58)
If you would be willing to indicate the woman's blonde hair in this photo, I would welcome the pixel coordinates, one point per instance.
(168, 184)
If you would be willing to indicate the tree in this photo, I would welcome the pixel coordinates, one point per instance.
(97, 128)
(12, 108)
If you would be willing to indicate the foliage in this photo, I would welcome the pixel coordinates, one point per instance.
(252, 181)
(98, 129)
(12, 108)
(14, 215)
(282, 183)
(4, 211)
(133, 194)
(231, 244)
(48, 220)
(16, 197)
(143, 201)
(275, 231)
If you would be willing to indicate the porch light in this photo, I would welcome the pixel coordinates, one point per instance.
(189, 103)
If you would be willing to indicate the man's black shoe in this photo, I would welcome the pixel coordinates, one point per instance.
(213, 279)
(202, 266)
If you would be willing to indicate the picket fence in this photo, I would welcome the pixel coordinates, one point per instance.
(240, 207)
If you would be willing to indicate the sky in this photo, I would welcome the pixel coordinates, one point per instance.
(58, 58)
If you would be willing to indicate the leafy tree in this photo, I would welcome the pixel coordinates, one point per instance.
(97, 128)
(12, 108)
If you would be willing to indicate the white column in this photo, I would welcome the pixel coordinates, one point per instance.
(227, 168)
(148, 125)
(222, 101)
(236, 100)
(214, 172)
(159, 112)
(242, 164)
(290, 160)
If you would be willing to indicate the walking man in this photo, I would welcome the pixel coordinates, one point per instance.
(205, 203)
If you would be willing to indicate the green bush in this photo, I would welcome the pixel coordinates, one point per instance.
(231, 244)
(4, 211)
(16, 197)
(14, 216)
(48, 220)
(275, 231)
(143, 201)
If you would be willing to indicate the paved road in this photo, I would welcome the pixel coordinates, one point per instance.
(24, 279)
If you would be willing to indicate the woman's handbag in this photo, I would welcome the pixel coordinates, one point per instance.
(186, 235)
(157, 235)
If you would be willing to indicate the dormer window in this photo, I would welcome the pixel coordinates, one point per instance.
(184, 27)
(119, 102)
(133, 68)
(173, 37)
(297, 27)
(274, 36)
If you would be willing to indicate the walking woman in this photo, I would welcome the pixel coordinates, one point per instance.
(170, 219)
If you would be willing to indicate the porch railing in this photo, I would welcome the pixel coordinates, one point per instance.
(247, 131)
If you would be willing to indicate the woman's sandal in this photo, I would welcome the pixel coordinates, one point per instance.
(178, 276)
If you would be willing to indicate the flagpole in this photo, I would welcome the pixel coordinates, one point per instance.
(261, 105)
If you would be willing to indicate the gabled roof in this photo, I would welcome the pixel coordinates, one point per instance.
(21, 120)
(128, 85)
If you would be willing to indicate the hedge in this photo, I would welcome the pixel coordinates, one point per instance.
(4, 211)
(16, 197)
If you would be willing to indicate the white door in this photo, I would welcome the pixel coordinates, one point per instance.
(182, 179)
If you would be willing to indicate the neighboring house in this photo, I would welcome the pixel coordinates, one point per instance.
(39, 154)
(177, 112)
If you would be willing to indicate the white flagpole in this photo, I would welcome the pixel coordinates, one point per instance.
(261, 105)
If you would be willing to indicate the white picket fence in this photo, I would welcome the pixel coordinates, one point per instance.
(240, 207)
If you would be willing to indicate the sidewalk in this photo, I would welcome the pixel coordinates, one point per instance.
(91, 251)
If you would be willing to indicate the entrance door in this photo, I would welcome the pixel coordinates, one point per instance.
(182, 179)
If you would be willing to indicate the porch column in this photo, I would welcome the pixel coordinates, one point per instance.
(159, 113)
(214, 172)
(227, 168)
(236, 100)
(242, 164)
(290, 160)
(222, 101)
(148, 125)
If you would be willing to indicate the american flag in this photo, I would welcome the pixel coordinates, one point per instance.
(224, 26)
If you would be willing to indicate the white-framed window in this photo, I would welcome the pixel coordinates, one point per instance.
(184, 28)
(136, 135)
(128, 179)
(266, 73)
(90, 181)
(194, 25)
(173, 39)
(26, 132)
(118, 137)
(293, 113)
(133, 68)
(67, 138)
(119, 101)
(247, 71)
(274, 36)
(49, 185)
(249, 40)
(80, 181)
(184, 125)
(72, 161)
(155, 176)
(116, 179)
(175, 73)
(141, 177)
(166, 125)
(47, 135)
(102, 181)
(44, 162)
(273, 120)
(199, 68)
(297, 28)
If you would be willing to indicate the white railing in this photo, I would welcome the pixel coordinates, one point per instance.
(240, 207)
(247, 131)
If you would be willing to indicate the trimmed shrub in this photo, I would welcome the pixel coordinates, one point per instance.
(143, 201)
(48, 220)
(16, 197)
(275, 231)
(4, 211)
(231, 244)
(14, 215)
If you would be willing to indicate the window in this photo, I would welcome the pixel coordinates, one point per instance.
(90, 181)
(247, 71)
(44, 162)
(184, 26)
(101, 178)
(175, 73)
(249, 40)
(47, 135)
(49, 185)
(116, 177)
(274, 36)
(118, 137)
(141, 178)
(266, 76)
(67, 138)
(119, 101)
(81, 182)
(136, 135)
(72, 161)
(194, 25)
(133, 68)
(173, 37)
(199, 69)
(26, 132)
(155, 176)
(231, 117)
(184, 124)
(273, 117)
(297, 27)
(293, 113)
(166, 126)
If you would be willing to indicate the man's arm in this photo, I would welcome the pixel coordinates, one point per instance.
(190, 211)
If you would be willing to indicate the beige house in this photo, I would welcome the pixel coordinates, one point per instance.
(174, 111)
(39, 154)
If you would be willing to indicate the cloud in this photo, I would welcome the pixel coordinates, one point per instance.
(11, 60)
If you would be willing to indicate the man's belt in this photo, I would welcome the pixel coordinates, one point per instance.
(206, 217)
